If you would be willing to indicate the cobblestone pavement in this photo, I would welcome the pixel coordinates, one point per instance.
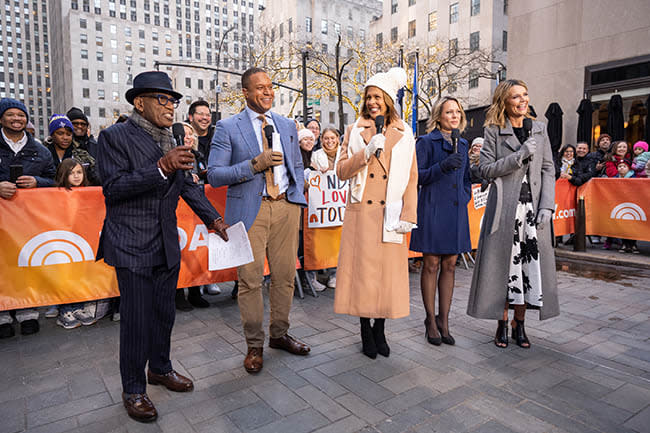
(587, 371)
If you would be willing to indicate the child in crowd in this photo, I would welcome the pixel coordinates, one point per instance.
(71, 174)
(641, 158)
(625, 169)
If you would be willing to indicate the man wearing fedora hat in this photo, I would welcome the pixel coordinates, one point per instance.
(144, 175)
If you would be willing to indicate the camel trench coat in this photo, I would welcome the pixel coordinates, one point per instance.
(502, 164)
(372, 278)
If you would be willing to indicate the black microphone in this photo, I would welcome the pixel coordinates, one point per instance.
(379, 126)
(455, 135)
(528, 127)
(178, 131)
(268, 132)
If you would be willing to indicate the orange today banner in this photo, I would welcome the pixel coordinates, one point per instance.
(564, 217)
(617, 207)
(49, 237)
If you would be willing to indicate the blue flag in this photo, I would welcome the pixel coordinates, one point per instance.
(414, 117)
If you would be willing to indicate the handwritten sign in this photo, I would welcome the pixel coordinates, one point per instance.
(480, 197)
(327, 198)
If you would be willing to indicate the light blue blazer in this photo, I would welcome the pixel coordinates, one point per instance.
(233, 146)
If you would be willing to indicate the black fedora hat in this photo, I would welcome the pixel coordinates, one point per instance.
(151, 81)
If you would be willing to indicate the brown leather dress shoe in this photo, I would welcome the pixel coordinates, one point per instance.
(172, 381)
(290, 344)
(254, 361)
(139, 407)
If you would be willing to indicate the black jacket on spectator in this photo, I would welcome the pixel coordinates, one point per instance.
(204, 144)
(88, 144)
(596, 157)
(583, 170)
(34, 157)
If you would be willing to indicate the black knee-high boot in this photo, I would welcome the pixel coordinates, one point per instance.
(380, 338)
(367, 339)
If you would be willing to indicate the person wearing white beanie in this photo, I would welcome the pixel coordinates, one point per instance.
(380, 165)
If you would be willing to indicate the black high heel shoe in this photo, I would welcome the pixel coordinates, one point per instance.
(501, 336)
(445, 339)
(519, 334)
(436, 341)
(380, 338)
(368, 346)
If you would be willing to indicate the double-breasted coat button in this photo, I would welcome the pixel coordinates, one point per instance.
(382, 202)
(372, 175)
(455, 203)
(385, 177)
(369, 201)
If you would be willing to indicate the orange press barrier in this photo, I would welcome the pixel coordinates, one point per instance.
(49, 237)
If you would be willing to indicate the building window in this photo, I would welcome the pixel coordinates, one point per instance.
(100, 76)
(412, 29)
(200, 84)
(86, 92)
(308, 24)
(100, 56)
(324, 48)
(505, 7)
(473, 79)
(83, 23)
(100, 94)
(84, 54)
(99, 41)
(453, 47)
(393, 6)
(393, 35)
(474, 41)
(433, 20)
(188, 82)
(290, 25)
(451, 87)
(84, 73)
(116, 77)
(83, 38)
(379, 40)
(504, 41)
(337, 29)
(102, 112)
(475, 7)
(114, 59)
(453, 13)
(323, 27)
(411, 2)
(98, 26)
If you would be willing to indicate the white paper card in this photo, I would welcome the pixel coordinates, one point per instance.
(236, 252)
(278, 170)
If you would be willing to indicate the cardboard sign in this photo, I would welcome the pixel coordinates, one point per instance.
(327, 198)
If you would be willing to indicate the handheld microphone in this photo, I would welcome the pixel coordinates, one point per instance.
(379, 126)
(268, 132)
(455, 135)
(528, 127)
(178, 131)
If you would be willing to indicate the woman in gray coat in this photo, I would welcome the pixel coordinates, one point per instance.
(515, 265)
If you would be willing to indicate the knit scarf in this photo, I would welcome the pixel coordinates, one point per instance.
(162, 136)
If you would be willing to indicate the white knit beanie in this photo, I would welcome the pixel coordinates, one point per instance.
(390, 82)
(304, 133)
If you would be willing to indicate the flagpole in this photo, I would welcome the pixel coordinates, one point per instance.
(400, 92)
(414, 115)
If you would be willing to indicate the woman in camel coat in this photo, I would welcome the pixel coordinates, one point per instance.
(372, 278)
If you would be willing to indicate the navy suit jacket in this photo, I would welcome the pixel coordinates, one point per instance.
(234, 144)
(140, 228)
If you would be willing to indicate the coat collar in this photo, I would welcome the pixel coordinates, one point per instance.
(436, 134)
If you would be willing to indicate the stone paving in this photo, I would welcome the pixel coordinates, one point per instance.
(587, 371)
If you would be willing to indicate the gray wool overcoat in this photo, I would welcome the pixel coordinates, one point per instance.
(502, 163)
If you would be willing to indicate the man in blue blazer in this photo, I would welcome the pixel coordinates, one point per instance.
(265, 191)
(144, 174)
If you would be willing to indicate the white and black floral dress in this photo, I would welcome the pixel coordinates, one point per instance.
(525, 276)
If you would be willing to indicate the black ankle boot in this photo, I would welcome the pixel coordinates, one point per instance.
(380, 338)
(368, 345)
(519, 334)
(181, 302)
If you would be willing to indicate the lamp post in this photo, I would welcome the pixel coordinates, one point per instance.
(305, 55)
(217, 88)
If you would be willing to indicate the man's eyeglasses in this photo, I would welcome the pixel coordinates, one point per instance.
(80, 123)
(164, 100)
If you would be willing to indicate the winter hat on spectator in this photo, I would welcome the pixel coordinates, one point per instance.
(304, 133)
(642, 144)
(7, 103)
(624, 161)
(76, 114)
(478, 140)
(58, 121)
(390, 82)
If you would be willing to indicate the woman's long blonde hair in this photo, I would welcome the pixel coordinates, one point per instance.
(496, 113)
(434, 121)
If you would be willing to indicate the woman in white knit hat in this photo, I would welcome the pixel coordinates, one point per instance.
(372, 278)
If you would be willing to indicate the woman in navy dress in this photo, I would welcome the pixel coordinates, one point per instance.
(443, 226)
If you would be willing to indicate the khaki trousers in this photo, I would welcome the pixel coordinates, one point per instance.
(274, 234)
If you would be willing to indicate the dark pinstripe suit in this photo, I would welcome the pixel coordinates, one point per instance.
(140, 239)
